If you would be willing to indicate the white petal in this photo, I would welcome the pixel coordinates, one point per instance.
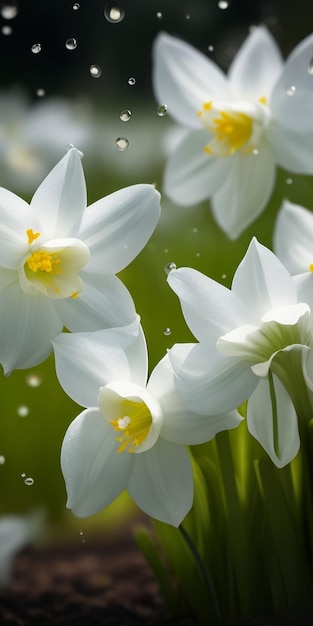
(281, 443)
(181, 425)
(210, 309)
(293, 236)
(95, 474)
(28, 323)
(16, 217)
(245, 190)
(208, 382)
(304, 285)
(87, 361)
(262, 282)
(6, 278)
(104, 302)
(161, 482)
(60, 200)
(117, 227)
(256, 66)
(184, 79)
(294, 111)
(292, 150)
(191, 175)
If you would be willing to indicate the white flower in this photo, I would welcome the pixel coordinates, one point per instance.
(58, 260)
(240, 126)
(132, 434)
(245, 335)
(16, 532)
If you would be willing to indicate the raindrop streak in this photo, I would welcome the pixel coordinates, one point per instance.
(36, 47)
(310, 68)
(29, 481)
(33, 380)
(22, 410)
(114, 12)
(2, 459)
(6, 30)
(125, 115)
(167, 331)
(291, 90)
(169, 267)
(131, 81)
(76, 6)
(71, 43)
(122, 143)
(95, 71)
(9, 9)
(223, 4)
(162, 110)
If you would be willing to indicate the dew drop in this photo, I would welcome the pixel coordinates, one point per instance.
(289, 181)
(95, 71)
(167, 331)
(114, 12)
(291, 90)
(159, 15)
(9, 9)
(22, 410)
(131, 81)
(71, 43)
(2, 459)
(40, 93)
(125, 115)
(36, 48)
(6, 30)
(33, 380)
(29, 481)
(223, 4)
(310, 68)
(162, 110)
(76, 6)
(122, 143)
(169, 267)
(210, 48)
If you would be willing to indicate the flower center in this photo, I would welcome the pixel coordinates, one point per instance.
(42, 261)
(134, 423)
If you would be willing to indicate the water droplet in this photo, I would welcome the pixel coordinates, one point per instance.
(95, 71)
(114, 12)
(23, 475)
(40, 93)
(2, 459)
(131, 81)
(81, 532)
(122, 143)
(210, 48)
(167, 331)
(9, 9)
(159, 15)
(310, 68)
(125, 115)
(291, 90)
(195, 230)
(29, 481)
(22, 410)
(289, 181)
(162, 110)
(223, 4)
(76, 6)
(198, 254)
(255, 151)
(187, 16)
(6, 30)
(224, 276)
(169, 267)
(36, 48)
(33, 380)
(71, 43)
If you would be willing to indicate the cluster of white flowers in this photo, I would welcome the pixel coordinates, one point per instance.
(58, 266)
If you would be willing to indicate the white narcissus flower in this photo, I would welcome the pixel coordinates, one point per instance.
(242, 332)
(240, 126)
(133, 433)
(58, 260)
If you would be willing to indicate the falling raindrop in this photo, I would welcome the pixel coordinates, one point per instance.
(125, 115)
(122, 143)
(9, 9)
(22, 410)
(6, 30)
(76, 6)
(210, 48)
(159, 15)
(223, 4)
(131, 81)
(167, 331)
(40, 93)
(187, 16)
(289, 181)
(29, 481)
(310, 68)
(162, 110)
(95, 71)
(114, 12)
(255, 151)
(198, 254)
(23, 475)
(71, 43)
(195, 230)
(291, 90)
(33, 380)
(36, 48)
(224, 276)
(2, 459)
(169, 267)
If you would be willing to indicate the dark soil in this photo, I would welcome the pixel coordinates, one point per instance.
(91, 584)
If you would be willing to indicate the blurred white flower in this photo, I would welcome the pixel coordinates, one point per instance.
(58, 260)
(240, 126)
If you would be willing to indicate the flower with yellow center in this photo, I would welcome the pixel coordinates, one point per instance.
(134, 432)
(58, 260)
(238, 127)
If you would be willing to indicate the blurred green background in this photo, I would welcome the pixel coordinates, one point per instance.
(35, 412)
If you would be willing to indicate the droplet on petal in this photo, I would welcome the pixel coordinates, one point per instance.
(125, 115)
(71, 43)
(36, 48)
(9, 9)
(169, 267)
(22, 410)
(162, 110)
(122, 143)
(114, 12)
(131, 81)
(95, 71)
(291, 90)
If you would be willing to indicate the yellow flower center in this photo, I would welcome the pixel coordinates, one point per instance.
(134, 423)
(41, 261)
(234, 129)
